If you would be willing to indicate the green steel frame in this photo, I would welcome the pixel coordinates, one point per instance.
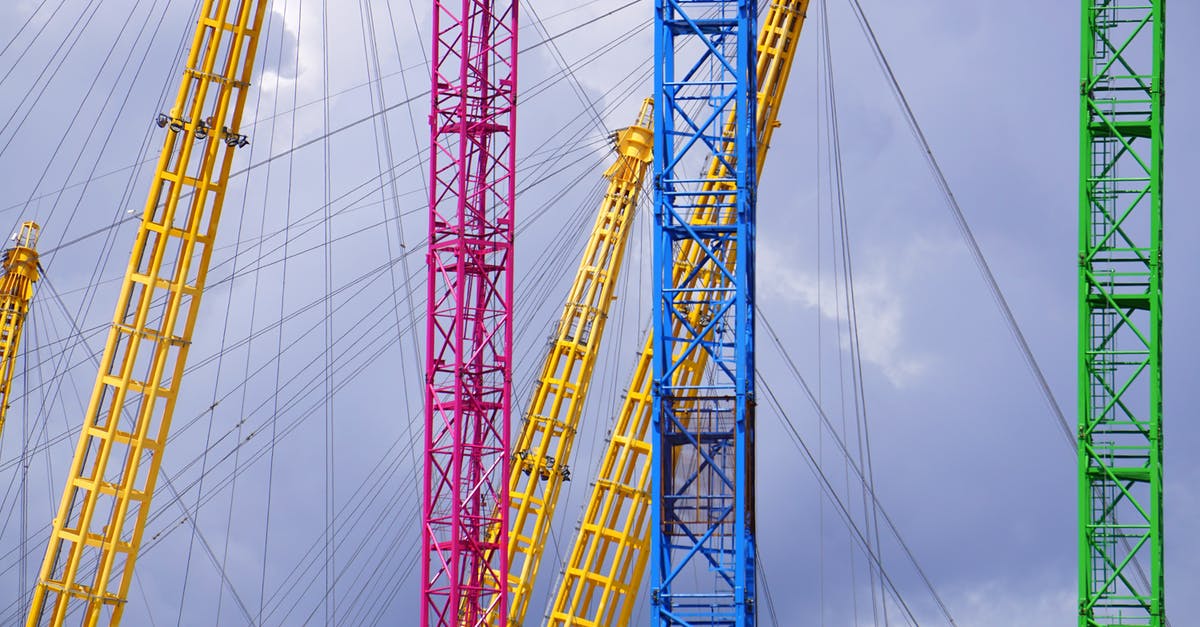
(1120, 314)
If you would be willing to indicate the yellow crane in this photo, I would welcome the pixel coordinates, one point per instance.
(95, 537)
(607, 563)
(16, 291)
(543, 450)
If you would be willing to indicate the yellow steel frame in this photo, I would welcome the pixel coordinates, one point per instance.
(543, 451)
(607, 563)
(16, 291)
(98, 529)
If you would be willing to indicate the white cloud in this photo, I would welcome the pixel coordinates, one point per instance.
(879, 291)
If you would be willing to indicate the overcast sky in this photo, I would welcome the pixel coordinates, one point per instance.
(968, 460)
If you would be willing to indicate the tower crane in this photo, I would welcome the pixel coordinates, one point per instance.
(607, 563)
(543, 450)
(97, 532)
(21, 271)
(468, 356)
(1120, 313)
(703, 538)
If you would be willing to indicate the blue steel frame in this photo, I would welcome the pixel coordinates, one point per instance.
(703, 528)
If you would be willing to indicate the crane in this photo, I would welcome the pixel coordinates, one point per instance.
(468, 357)
(607, 562)
(1120, 313)
(703, 540)
(96, 535)
(21, 271)
(543, 450)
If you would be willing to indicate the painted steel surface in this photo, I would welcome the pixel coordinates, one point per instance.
(21, 271)
(1120, 314)
(96, 535)
(702, 536)
(607, 563)
(542, 453)
(468, 366)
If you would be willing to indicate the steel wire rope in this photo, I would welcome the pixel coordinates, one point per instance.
(31, 333)
(593, 56)
(824, 107)
(75, 117)
(254, 301)
(379, 99)
(838, 205)
(960, 221)
(82, 26)
(35, 38)
(974, 248)
(48, 255)
(329, 599)
(557, 55)
(167, 481)
(846, 453)
(225, 280)
(539, 291)
(819, 119)
(25, 24)
(266, 536)
(831, 493)
(266, 45)
(762, 574)
(199, 416)
(539, 277)
(538, 89)
(66, 355)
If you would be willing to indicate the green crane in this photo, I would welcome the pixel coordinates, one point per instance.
(1120, 314)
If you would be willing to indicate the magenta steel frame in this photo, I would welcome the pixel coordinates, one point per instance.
(468, 365)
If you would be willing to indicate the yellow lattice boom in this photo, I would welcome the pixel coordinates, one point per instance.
(16, 292)
(95, 537)
(543, 451)
(607, 563)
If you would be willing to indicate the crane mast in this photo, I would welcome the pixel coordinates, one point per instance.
(468, 367)
(607, 562)
(96, 535)
(1120, 314)
(702, 475)
(543, 450)
(21, 271)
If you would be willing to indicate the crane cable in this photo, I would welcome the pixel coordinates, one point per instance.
(976, 252)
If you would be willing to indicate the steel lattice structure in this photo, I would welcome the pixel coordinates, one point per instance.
(21, 271)
(1120, 314)
(469, 322)
(98, 530)
(607, 563)
(543, 450)
(703, 444)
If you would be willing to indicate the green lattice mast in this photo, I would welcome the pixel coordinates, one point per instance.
(1120, 315)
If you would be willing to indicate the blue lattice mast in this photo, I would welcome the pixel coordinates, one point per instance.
(703, 483)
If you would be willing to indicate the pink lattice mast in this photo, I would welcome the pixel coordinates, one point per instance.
(469, 326)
